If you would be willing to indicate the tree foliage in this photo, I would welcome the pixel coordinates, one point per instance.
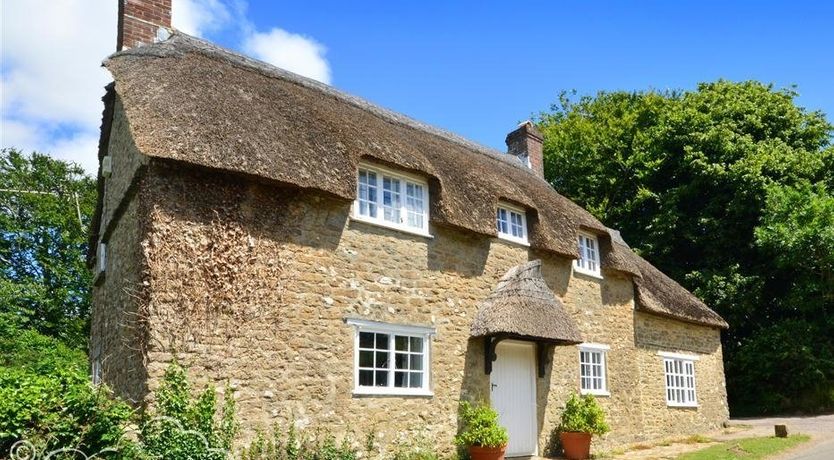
(727, 189)
(45, 211)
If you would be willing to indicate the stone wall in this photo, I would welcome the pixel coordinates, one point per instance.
(252, 283)
(117, 329)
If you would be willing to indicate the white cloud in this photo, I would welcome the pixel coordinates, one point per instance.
(52, 79)
(197, 17)
(293, 52)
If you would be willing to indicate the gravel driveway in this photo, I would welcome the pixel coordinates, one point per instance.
(820, 428)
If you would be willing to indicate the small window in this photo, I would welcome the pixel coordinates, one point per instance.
(392, 200)
(95, 371)
(512, 224)
(588, 262)
(391, 359)
(680, 380)
(102, 257)
(592, 369)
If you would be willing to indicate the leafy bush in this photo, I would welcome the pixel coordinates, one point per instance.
(480, 426)
(583, 414)
(46, 396)
(291, 445)
(182, 426)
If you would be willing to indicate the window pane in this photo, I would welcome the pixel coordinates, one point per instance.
(416, 380)
(391, 199)
(503, 225)
(400, 379)
(401, 343)
(382, 359)
(401, 361)
(416, 344)
(366, 340)
(366, 378)
(381, 378)
(382, 341)
(366, 359)
(414, 205)
(416, 362)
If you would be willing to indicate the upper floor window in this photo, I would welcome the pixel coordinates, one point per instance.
(680, 379)
(593, 369)
(512, 224)
(392, 199)
(588, 262)
(391, 359)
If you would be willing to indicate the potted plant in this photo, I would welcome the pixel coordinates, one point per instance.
(481, 433)
(583, 417)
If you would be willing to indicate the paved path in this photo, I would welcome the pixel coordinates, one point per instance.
(820, 428)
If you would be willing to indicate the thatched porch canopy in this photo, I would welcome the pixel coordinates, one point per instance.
(522, 306)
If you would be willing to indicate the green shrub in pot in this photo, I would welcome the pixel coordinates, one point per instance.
(480, 426)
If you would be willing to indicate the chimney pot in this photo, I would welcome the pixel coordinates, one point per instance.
(525, 143)
(142, 22)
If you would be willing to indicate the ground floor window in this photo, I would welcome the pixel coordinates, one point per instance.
(390, 358)
(592, 369)
(680, 379)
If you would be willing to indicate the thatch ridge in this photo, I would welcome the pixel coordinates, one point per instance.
(523, 306)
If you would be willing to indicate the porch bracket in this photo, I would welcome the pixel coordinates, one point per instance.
(490, 342)
(542, 349)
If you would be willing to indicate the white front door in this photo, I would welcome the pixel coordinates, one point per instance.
(513, 383)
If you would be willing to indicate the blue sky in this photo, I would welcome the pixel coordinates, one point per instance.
(478, 68)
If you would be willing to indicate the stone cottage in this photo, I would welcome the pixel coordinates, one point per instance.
(347, 266)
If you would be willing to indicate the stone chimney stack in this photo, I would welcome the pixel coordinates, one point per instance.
(142, 22)
(525, 143)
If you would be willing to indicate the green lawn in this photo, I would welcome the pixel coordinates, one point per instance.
(745, 449)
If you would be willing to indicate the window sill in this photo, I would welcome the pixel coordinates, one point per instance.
(577, 270)
(682, 406)
(398, 228)
(524, 243)
(594, 392)
(391, 392)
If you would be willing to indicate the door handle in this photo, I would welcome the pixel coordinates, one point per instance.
(493, 386)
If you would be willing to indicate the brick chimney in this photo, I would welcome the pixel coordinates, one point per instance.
(142, 22)
(525, 143)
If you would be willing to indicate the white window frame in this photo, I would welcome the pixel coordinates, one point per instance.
(379, 220)
(602, 351)
(584, 264)
(679, 377)
(508, 235)
(102, 257)
(425, 333)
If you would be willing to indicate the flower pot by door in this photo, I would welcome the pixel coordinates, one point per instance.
(577, 446)
(487, 453)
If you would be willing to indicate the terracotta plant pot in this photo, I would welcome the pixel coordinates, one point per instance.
(577, 446)
(487, 453)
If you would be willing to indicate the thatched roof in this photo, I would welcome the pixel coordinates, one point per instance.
(190, 101)
(523, 306)
(656, 293)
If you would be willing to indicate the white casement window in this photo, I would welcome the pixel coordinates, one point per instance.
(391, 359)
(392, 199)
(593, 369)
(680, 379)
(102, 257)
(95, 371)
(512, 224)
(588, 262)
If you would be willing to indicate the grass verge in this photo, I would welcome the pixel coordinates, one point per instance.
(745, 449)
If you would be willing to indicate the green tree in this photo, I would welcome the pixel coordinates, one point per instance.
(45, 211)
(686, 176)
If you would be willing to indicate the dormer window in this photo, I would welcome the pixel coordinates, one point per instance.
(392, 199)
(588, 262)
(512, 223)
